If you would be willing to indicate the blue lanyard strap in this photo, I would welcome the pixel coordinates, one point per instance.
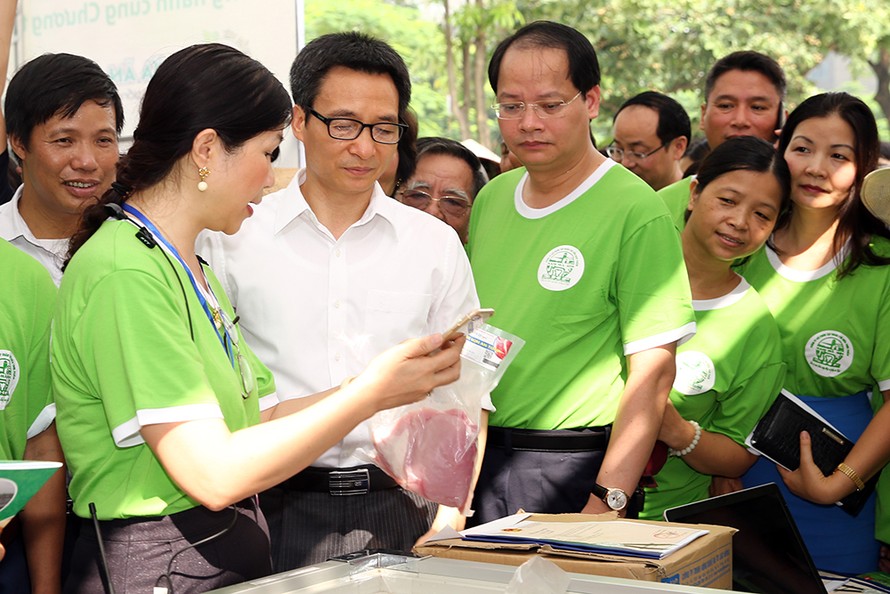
(225, 339)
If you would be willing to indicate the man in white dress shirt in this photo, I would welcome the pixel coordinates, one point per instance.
(63, 118)
(329, 272)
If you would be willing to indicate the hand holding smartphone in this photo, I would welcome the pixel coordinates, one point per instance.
(468, 323)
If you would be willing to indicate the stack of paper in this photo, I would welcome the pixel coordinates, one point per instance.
(616, 537)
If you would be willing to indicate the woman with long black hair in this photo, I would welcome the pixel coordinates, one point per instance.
(168, 421)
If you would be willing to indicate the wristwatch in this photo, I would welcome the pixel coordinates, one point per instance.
(616, 499)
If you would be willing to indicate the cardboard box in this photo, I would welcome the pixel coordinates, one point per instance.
(705, 562)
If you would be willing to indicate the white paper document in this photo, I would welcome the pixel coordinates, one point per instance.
(619, 537)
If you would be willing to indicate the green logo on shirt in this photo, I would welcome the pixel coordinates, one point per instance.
(561, 268)
(9, 377)
(829, 353)
(696, 373)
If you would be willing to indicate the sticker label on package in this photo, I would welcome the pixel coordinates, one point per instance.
(486, 349)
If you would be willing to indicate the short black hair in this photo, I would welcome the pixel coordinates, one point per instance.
(436, 145)
(696, 151)
(352, 50)
(747, 61)
(407, 149)
(746, 153)
(673, 121)
(57, 84)
(584, 68)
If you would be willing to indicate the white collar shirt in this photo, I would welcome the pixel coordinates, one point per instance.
(51, 253)
(316, 309)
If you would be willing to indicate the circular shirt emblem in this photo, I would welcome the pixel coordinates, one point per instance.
(829, 353)
(561, 268)
(9, 377)
(695, 373)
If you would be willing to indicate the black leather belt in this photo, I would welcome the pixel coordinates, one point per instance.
(360, 480)
(561, 440)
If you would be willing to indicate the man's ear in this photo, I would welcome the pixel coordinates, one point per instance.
(298, 122)
(18, 147)
(678, 147)
(593, 102)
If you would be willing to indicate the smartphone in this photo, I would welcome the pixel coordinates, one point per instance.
(471, 321)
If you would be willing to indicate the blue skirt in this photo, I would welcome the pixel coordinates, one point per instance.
(837, 541)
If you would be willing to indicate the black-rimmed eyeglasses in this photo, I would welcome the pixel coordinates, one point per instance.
(350, 129)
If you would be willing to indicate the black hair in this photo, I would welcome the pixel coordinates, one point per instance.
(352, 50)
(746, 153)
(584, 69)
(202, 86)
(855, 223)
(436, 145)
(407, 150)
(56, 84)
(673, 121)
(748, 61)
(696, 151)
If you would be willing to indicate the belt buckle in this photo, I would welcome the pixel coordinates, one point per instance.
(349, 482)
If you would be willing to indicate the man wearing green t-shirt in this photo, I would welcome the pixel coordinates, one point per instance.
(744, 94)
(579, 258)
(27, 422)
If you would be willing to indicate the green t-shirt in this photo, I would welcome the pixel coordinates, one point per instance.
(676, 198)
(728, 375)
(835, 334)
(26, 309)
(123, 357)
(593, 278)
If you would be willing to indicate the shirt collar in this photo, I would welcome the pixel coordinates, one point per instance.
(12, 225)
(294, 206)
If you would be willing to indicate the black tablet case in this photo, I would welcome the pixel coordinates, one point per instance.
(777, 436)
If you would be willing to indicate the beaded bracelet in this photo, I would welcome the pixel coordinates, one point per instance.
(852, 475)
(691, 446)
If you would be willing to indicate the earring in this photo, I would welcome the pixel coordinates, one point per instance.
(203, 172)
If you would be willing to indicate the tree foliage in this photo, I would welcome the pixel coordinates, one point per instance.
(641, 44)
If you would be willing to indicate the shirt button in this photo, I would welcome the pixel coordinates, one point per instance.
(337, 357)
(337, 304)
(337, 252)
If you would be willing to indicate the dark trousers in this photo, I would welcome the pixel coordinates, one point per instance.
(516, 476)
(144, 552)
(309, 527)
(14, 576)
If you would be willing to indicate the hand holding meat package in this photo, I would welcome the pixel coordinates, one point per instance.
(430, 447)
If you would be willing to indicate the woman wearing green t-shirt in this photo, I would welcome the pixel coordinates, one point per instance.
(825, 275)
(168, 421)
(729, 373)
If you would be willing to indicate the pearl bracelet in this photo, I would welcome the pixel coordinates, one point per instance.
(691, 446)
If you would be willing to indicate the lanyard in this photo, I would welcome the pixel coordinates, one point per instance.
(214, 316)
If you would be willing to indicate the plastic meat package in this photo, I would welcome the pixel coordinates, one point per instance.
(430, 447)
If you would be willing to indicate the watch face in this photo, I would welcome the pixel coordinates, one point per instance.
(616, 499)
